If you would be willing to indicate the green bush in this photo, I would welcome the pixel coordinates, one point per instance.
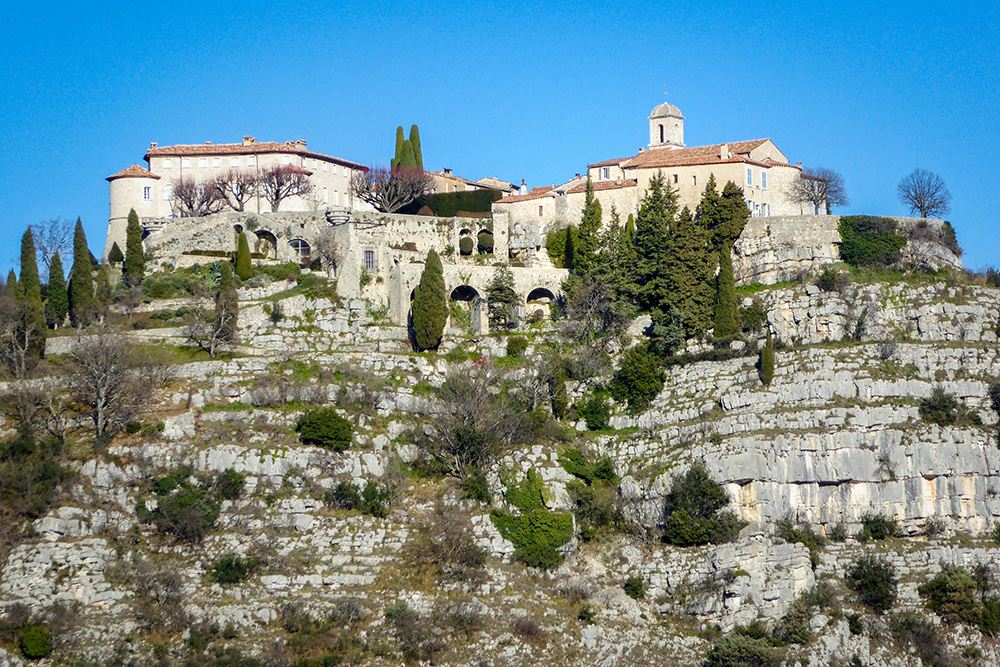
(536, 532)
(229, 485)
(693, 511)
(575, 462)
(36, 642)
(874, 581)
(466, 245)
(325, 428)
(185, 511)
(952, 595)
(232, 569)
(555, 244)
(740, 650)
(877, 526)
(870, 241)
(516, 346)
(374, 500)
(485, 243)
(281, 272)
(635, 588)
(639, 380)
(765, 363)
(945, 410)
(476, 487)
(754, 317)
(596, 412)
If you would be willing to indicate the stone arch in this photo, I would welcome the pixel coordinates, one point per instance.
(302, 251)
(540, 294)
(238, 228)
(266, 244)
(465, 293)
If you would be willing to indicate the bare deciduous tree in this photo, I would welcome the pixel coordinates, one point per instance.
(593, 316)
(236, 187)
(925, 193)
(194, 200)
(106, 380)
(18, 335)
(279, 182)
(51, 237)
(329, 251)
(820, 187)
(388, 191)
(209, 332)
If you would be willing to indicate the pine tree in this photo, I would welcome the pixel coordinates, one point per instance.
(687, 274)
(766, 362)
(400, 138)
(587, 236)
(103, 294)
(709, 212)
(134, 268)
(726, 313)
(56, 297)
(657, 211)
(244, 269)
(81, 280)
(569, 252)
(415, 143)
(430, 305)
(501, 298)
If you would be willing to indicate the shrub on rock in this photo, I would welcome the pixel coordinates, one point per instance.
(36, 642)
(324, 428)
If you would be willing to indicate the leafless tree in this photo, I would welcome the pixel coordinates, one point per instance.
(19, 337)
(388, 191)
(329, 251)
(820, 187)
(211, 331)
(51, 237)
(593, 316)
(194, 200)
(236, 187)
(106, 380)
(279, 182)
(925, 193)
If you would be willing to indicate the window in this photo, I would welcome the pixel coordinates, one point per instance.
(217, 162)
(287, 159)
(168, 192)
(675, 179)
(301, 250)
(185, 162)
(763, 179)
(315, 194)
(147, 193)
(252, 161)
(694, 180)
(605, 173)
(370, 260)
(749, 176)
(202, 162)
(541, 210)
(167, 163)
(235, 162)
(661, 133)
(326, 197)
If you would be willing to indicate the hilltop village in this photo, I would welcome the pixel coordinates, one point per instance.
(306, 412)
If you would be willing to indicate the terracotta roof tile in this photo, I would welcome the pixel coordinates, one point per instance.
(257, 148)
(135, 171)
(604, 185)
(513, 199)
(672, 157)
(607, 163)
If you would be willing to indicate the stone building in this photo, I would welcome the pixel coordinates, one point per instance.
(149, 190)
(758, 166)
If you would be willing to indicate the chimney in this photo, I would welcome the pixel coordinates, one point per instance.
(447, 171)
(524, 188)
(208, 143)
(247, 141)
(724, 151)
(300, 143)
(798, 164)
(577, 176)
(152, 144)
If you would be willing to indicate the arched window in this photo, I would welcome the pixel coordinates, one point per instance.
(301, 250)
(661, 133)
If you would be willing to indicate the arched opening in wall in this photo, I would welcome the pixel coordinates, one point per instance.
(464, 293)
(661, 133)
(538, 303)
(301, 251)
(466, 244)
(484, 242)
(238, 229)
(413, 294)
(266, 244)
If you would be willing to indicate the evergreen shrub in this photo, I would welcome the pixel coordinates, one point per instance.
(694, 511)
(877, 526)
(466, 245)
(244, 269)
(516, 345)
(374, 500)
(639, 380)
(874, 581)
(232, 569)
(740, 650)
(635, 588)
(485, 243)
(536, 532)
(36, 642)
(325, 428)
(870, 241)
(596, 411)
(765, 364)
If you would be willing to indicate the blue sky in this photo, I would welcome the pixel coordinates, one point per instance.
(871, 90)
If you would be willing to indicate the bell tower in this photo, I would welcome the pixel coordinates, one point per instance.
(666, 127)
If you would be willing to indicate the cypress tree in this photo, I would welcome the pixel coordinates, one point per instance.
(407, 159)
(56, 298)
(30, 294)
(765, 364)
(501, 298)
(630, 228)
(134, 268)
(81, 280)
(103, 294)
(734, 214)
(687, 274)
(569, 256)
(587, 236)
(227, 306)
(657, 211)
(726, 313)
(11, 285)
(115, 255)
(430, 306)
(709, 212)
(244, 269)
(415, 143)
(400, 138)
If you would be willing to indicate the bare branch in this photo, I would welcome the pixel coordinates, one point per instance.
(51, 237)
(105, 380)
(195, 200)
(236, 188)
(925, 193)
(388, 191)
(282, 181)
(820, 187)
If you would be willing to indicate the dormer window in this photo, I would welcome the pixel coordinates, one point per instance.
(605, 173)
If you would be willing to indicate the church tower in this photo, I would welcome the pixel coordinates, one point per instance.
(666, 127)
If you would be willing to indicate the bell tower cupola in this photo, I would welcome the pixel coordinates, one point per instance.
(666, 127)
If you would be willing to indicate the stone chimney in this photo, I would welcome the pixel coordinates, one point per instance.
(724, 152)
(248, 141)
(798, 164)
(300, 143)
(524, 188)
(447, 171)
(208, 143)
(152, 144)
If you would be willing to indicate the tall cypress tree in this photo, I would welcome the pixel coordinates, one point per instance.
(687, 274)
(726, 313)
(765, 363)
(244, 268)
(709, 212)
(30, 294)
(103, 294)
(81, 280)
(56, 298)
(587, 242)
(407, 159)
(11, 284)
(652, 242)
(400, 138)
(734, 214)
(430, 306)
(569, 252)
(630, 228)
(415, 144)
(227, 306)
(134, 268)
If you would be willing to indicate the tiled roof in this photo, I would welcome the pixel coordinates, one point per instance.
(534, 193)
(673, 157)
(257, 148)
(604, 185)
(608, 163)
(135, 171)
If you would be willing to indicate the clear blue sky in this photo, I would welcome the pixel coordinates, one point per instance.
(533, 91)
